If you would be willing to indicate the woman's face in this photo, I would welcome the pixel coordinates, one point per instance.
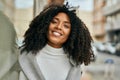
(59, 30)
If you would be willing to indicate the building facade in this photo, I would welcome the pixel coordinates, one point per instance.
(107, 20)
(112, 14)
(98, 20)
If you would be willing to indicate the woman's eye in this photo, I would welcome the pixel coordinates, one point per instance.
(53, 21)
(66, 26)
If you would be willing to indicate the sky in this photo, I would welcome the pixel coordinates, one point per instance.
(86, 5)
(23, 3)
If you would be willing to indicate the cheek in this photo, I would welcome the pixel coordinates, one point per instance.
(67, 35)
(68, 32)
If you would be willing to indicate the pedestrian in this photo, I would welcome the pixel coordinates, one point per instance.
(109, 69)
(56, 43)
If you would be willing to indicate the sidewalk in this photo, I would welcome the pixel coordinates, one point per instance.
(97, 70)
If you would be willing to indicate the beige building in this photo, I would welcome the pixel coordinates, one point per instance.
(112, 14)
(87, 18)
(99, 20)
(107, 20)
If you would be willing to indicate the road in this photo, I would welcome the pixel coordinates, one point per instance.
(96, 70)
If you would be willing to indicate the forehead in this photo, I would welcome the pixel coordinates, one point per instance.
(62, 15)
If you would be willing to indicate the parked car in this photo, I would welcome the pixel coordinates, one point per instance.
(117, 49)
(99, 46)
(109, 47)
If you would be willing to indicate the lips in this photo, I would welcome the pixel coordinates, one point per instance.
(56, 33)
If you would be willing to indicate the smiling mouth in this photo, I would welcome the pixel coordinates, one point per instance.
(57, 33)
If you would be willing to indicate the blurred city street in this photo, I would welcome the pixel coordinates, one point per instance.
(102, 18)
(96, 70)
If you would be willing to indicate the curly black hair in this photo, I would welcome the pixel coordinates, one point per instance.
(78, 45)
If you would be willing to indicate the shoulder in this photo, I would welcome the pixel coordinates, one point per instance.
(25, 56)
(26, 64)
(22, 57)
(26, 59)
(29, 66)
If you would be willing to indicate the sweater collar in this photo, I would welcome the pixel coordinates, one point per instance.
(53, 51)
(57, 52)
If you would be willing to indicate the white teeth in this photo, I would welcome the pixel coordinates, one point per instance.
(56, 34)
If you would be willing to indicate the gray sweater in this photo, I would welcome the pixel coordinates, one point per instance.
(53, 63)
(34, 69)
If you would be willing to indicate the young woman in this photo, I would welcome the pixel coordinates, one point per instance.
(55, 45)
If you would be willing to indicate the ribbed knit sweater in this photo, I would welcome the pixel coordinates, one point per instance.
(53, 63)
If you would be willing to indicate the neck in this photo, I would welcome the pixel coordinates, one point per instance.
(54, 45)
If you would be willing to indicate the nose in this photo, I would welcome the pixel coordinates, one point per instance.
(59, 26)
